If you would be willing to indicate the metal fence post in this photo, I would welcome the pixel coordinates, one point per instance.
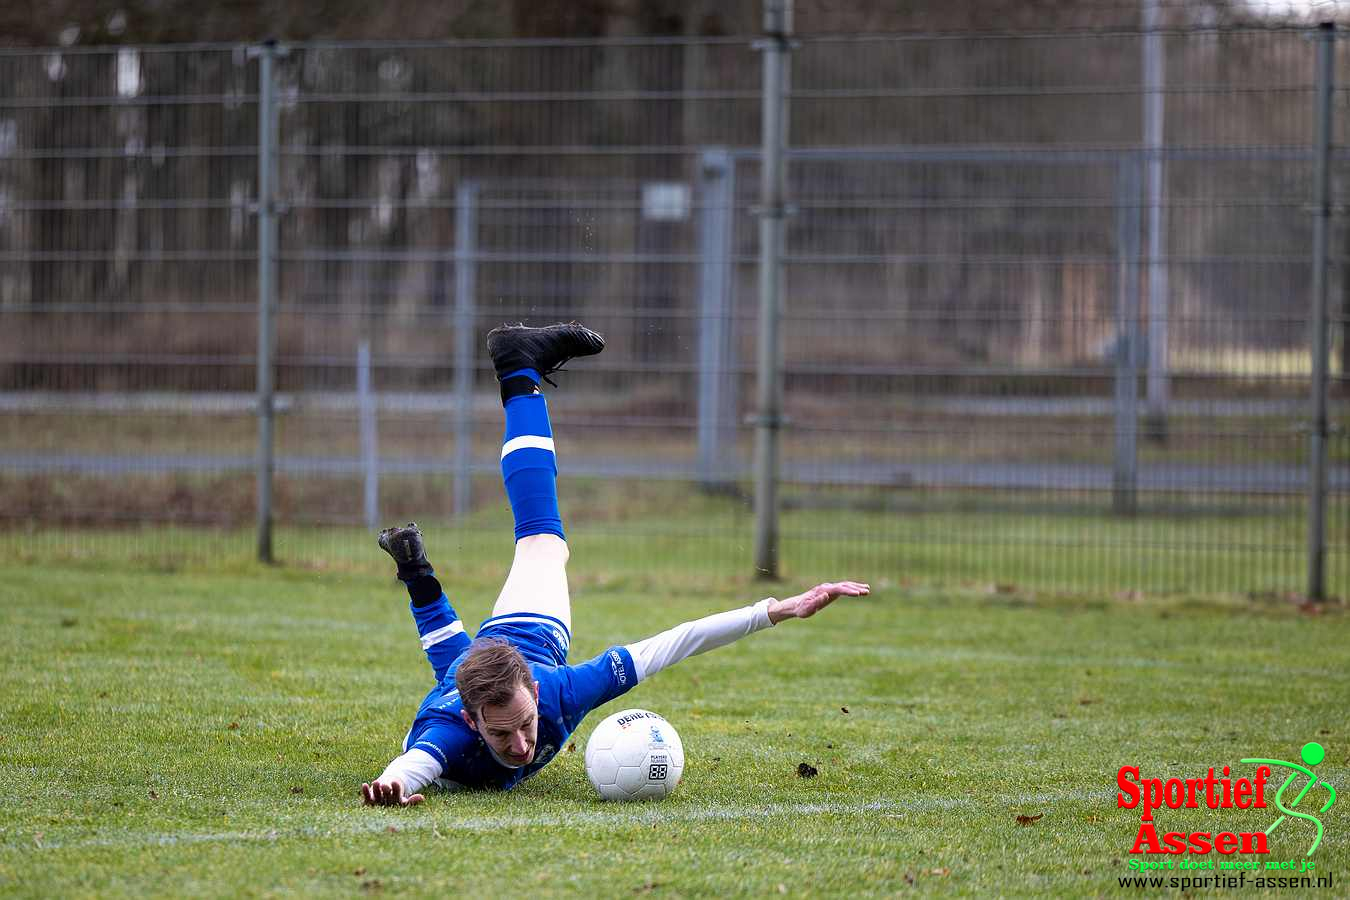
(1155, 76)
(716, 209)
(370, 458)
(1125, 476)
(1317, 451)
(776, 45)
(267, 54)
(466, 224)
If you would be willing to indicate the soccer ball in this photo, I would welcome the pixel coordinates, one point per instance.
(634, 755)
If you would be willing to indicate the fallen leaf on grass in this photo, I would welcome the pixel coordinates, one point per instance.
(233, 726)
(806, 770)
(393, 829)
(1029, 820)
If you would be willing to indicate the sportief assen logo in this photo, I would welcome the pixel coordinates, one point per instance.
(1225, 792)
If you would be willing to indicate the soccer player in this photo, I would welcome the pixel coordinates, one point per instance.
(506, 702)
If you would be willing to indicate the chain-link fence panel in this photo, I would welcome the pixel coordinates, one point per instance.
(1046, 319)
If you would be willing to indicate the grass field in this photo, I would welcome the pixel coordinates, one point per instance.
(172, 727)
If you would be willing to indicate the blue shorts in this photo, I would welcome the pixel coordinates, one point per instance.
(539, 638)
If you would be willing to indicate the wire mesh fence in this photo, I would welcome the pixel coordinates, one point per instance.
(1046, 320)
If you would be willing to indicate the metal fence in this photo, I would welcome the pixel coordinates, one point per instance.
(1046, 321)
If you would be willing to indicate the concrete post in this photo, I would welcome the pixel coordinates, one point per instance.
(1155, 98)
(466, 228)
(716, 219)
(370, 456)
(1125, 476)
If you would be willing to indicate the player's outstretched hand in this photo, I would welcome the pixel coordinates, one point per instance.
(813, 601)
(388, 793)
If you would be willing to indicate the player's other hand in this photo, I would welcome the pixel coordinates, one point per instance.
(388, 793)
(809, 603)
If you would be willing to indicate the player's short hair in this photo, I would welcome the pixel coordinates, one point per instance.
(491, 674)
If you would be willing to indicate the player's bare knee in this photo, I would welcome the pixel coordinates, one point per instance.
(543, 546)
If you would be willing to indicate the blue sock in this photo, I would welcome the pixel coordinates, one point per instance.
(529, 467)
(528, 373)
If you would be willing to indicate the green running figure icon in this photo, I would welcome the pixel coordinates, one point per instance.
(1312, 754)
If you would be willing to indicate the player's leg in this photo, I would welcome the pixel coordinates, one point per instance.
(537, 582)
(438, 625)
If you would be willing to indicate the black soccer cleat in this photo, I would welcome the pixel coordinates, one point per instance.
(516, 347)
(405, 546)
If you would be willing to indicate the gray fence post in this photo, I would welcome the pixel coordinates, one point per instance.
(370, 458)
(267, 288)
(1317, 450)
(1155, 76)
(466, 225)
(1125, 476)
(776, 46)
(715, 392)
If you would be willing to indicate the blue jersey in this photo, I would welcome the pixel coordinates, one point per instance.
(566, 695)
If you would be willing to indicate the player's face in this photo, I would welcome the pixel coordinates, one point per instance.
(512, 728)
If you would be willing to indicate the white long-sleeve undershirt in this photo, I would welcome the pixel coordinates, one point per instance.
(416, 769)
(692, 638)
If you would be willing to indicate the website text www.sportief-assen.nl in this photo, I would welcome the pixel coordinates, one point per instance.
(1237, 880)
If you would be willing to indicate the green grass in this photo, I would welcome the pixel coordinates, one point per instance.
(201, 727)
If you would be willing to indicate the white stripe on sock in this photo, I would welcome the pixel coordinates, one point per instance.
(432, 638)
(537, 441)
